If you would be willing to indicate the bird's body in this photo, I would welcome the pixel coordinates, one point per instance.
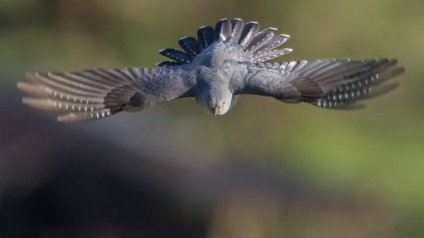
(221, 64)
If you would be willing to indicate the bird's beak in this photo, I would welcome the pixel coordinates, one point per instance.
(215, 111)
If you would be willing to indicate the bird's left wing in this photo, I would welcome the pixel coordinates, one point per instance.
(94, 94)
(328, 83)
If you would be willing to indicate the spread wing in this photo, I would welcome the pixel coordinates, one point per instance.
(328, 83)
(95, 94)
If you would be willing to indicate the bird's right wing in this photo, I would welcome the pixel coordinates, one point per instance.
(94, 94)
(328, 83)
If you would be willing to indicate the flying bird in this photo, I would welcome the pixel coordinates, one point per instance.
(214, 68)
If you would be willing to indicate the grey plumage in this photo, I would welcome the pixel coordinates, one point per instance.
(214, 68)
(329, 83)
(100, 93)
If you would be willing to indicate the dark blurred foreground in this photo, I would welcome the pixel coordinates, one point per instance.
(60, 183)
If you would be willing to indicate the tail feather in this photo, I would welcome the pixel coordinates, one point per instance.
(205, 36)
(249, 31)
(222, 30)
(271, 54)
(258, 46)
(167, 63)
(189, 45)
(237, 28)
(261, 40)
(180, 57)
(278, 40)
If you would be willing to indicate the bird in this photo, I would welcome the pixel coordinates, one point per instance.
(215, 67)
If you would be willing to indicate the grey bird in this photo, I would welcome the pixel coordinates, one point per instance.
(214, 68)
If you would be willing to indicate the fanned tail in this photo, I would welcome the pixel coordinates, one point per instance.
(257, 45)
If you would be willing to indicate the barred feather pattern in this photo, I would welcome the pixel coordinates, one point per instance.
(326, 83)
(258, 46)
(88, 94)
(362, 85)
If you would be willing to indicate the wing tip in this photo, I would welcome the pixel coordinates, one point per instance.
(31, 88)
(70, 117)
(44, 104)
(380, 90)
(30, 74)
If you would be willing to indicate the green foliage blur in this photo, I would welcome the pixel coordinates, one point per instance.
(378, 151)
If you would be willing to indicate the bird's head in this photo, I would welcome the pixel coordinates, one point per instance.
(216, 101)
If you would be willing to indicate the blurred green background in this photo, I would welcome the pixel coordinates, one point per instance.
(300, 171)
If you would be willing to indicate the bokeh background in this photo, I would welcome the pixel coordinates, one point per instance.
(266, 169)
